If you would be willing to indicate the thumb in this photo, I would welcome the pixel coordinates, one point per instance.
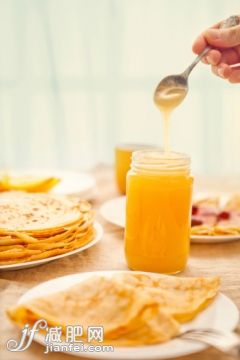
(223, 38)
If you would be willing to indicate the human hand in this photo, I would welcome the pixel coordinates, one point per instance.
(224, 58)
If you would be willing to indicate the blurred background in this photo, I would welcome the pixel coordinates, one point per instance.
(77, 77)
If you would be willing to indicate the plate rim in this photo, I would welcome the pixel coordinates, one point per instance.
(214, 238)
(97, 226)
(119, 355)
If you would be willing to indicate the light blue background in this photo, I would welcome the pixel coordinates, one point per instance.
(77, 77)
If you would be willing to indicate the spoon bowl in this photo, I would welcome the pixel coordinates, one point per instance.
(171, 91)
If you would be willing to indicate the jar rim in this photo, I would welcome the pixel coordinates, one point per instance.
(134, 146)
(154, 153)
(159, 160)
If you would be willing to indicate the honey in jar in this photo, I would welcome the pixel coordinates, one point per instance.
(158, 210)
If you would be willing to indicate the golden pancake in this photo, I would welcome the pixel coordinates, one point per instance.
(26, 211)
(129, 316)
(183, 298)
(134, 309)
(155, 326)
(37, 226)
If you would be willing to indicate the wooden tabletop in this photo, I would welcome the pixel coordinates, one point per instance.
(205, 259)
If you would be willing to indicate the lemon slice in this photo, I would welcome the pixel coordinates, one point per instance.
(29, 184)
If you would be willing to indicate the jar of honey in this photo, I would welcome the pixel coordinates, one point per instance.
(123, 155)
(158, 211)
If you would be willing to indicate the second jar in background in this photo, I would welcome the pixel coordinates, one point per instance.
(123, 156)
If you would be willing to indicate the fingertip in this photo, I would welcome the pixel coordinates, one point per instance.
(204, 60)
(230, 56)
(224, 71)
(232, 79)
(199, 45)
(213, 57)
(214, 70)
(211, 36)
(234, 76)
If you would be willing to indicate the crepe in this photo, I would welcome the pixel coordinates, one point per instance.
(129, 316)
(211, 219)
(37, 226)
(134, 309)
(24, 211)
(182, 298)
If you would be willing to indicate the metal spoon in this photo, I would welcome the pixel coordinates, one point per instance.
(172, 89)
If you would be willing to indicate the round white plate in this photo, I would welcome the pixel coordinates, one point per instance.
(114, 212)
(30, 264)
(207, 239)
(72, 183)
(222, 314)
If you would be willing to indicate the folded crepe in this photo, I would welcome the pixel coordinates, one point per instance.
(134, 309)
(128, 315)
(181, 297)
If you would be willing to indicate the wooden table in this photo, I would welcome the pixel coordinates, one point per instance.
(219, 259)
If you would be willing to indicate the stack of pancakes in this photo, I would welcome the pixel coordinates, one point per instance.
(38, 226)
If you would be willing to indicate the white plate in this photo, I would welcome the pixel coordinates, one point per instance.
(114, 212)
(207, 239)
(222, 314)
(72, 183)
(30, 264)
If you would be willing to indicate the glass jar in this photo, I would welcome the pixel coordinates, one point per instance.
(158, 211)
(123, 155)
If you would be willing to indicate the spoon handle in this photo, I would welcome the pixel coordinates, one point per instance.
(196, 61)
(229, 22)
